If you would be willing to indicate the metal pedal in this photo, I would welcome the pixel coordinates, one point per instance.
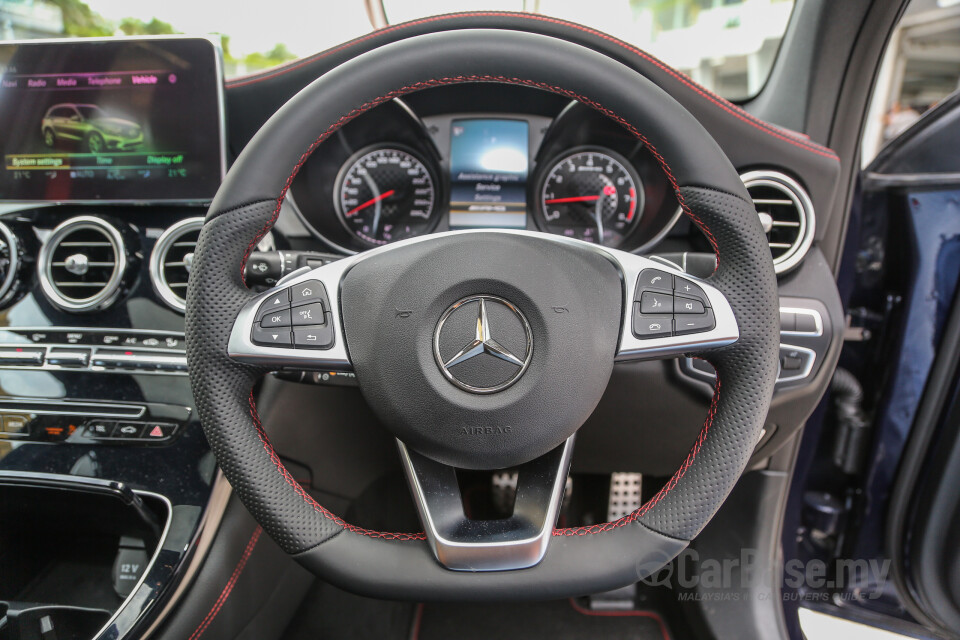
(622, 599)
(624, 499)
(504, 490)
(624, 494)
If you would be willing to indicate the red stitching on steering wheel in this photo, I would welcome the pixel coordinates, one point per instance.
(598, 528)
(282, 470)
(667, 488)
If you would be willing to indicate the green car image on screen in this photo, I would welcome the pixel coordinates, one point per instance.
(91, 127)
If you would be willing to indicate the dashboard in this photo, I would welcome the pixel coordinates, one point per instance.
(99, 215)
(434, 162)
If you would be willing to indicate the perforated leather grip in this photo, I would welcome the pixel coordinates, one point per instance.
(746, 370)
(710, 193)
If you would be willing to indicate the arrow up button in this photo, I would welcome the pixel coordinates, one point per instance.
(276, 304)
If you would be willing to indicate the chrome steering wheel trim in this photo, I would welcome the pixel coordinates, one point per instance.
(457, 542)
(242, 349)
(225, 365)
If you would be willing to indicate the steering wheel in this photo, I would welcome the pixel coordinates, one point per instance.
(482, 349)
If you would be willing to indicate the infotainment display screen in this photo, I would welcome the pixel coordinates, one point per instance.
(489, 161)
(111, 120)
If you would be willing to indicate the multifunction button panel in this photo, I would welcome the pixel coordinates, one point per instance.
(53, 428)
(667, 305)
(128, 431)
(99, 350)
(298, 317)
(83, 421)
(296, 325)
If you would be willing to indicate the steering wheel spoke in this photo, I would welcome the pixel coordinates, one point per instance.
(295, 325)
(516, 542)
(667, 312)
(546, 306)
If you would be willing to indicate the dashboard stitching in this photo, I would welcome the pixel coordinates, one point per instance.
(715, 99)
(667, 488)
(282, 470)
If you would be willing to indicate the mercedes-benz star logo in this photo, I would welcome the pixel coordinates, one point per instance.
(484, 364)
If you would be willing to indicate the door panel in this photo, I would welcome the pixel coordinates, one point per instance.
(912, 513)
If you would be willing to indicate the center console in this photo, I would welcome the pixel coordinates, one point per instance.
(51, 589)
(105, 475)
(99, 439)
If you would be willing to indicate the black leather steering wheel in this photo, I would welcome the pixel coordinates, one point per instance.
(397, 316)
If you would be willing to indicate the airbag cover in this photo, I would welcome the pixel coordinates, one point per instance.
(570, 296)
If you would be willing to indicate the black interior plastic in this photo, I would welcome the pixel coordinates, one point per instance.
(58, 547)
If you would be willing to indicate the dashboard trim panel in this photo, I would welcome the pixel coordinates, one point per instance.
(168, 361)
(91, 408)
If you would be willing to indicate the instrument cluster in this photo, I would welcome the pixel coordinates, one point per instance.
(404, 170)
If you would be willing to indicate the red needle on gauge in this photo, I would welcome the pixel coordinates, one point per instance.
(572, 199)
(370, 202)
(608, 190)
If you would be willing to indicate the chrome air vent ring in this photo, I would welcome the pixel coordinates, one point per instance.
(786, 213)
(12, 245)
(171, 260)
(82, 264)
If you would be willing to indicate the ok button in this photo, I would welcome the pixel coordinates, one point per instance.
(276, 319)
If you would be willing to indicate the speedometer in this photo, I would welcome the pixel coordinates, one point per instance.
(385, 194)
(593, 195)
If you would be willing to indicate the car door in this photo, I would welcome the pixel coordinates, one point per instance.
(891, 453)
(921, 169)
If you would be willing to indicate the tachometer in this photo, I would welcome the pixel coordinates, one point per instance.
(385, 194)
(592, 195)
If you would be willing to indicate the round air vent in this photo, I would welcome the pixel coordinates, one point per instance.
(9, 264)
(786, 214)
(171, 260)
(82, 264)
